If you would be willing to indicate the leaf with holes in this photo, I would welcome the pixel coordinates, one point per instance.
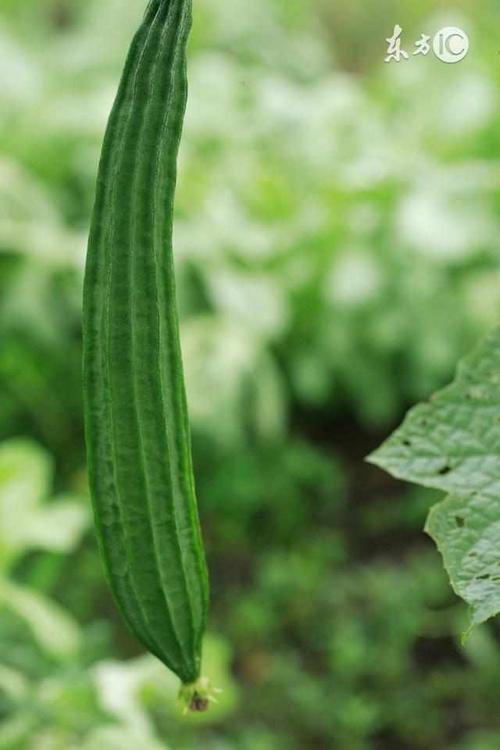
(452, 443)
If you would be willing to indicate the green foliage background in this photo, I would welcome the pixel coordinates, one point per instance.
(337, 252)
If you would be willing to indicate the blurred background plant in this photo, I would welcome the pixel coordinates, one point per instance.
(337, 252)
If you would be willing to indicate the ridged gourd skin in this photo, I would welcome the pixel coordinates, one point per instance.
(136, 421)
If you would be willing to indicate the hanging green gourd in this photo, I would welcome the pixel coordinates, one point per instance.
(137, 430)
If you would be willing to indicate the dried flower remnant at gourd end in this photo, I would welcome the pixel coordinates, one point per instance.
(199, 704)
(197, 696)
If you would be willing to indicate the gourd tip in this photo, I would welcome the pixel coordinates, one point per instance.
(197, 696)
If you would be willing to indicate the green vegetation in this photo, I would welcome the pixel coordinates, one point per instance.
(450, 444)
(336, 239)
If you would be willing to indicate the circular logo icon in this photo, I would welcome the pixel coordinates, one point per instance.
(451, 44)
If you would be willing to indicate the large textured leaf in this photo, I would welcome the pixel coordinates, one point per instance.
(453, 443)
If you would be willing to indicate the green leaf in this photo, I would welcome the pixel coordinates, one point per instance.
(27, 521)
(13, 683)
(120, 738)
(219, 350)
(58, 526)
(452, 443)
(54, 629)
(17, 731)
